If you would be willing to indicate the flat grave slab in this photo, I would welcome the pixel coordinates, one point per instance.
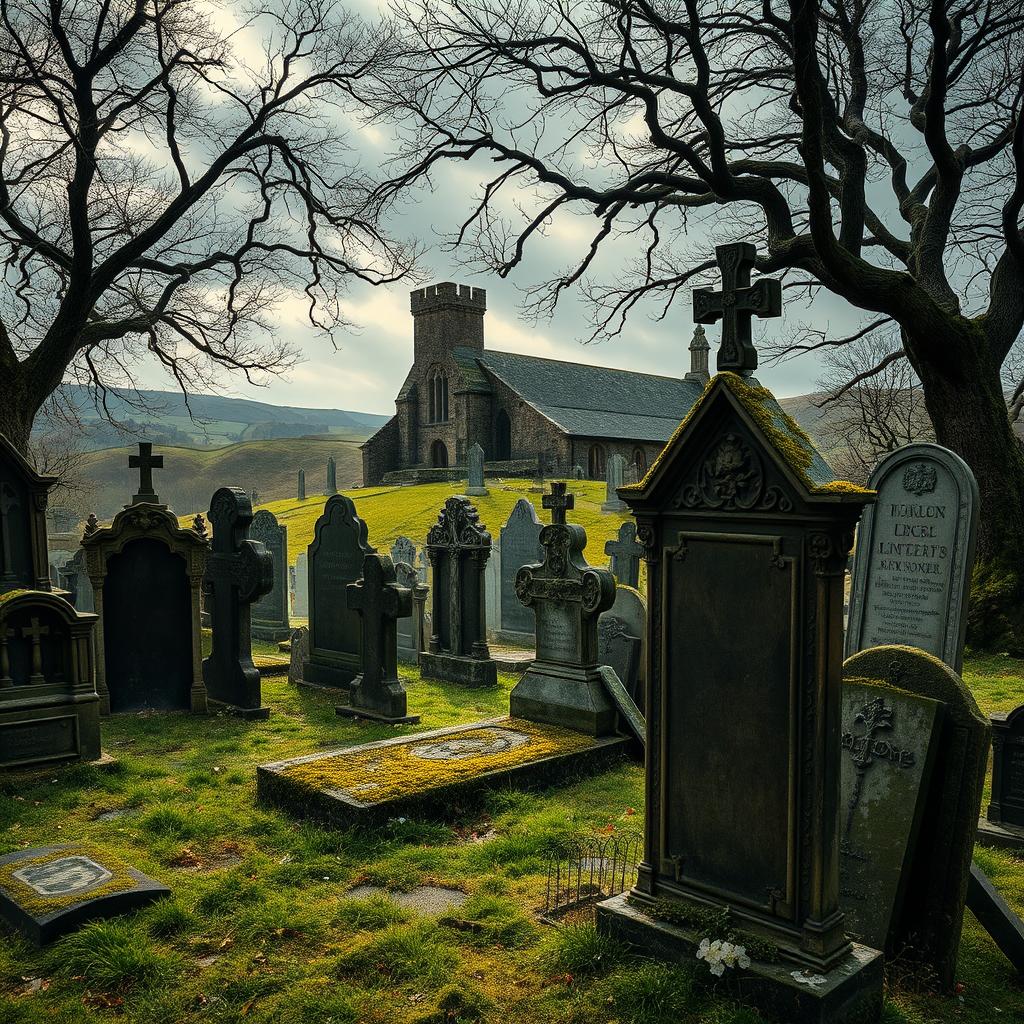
(49, 891)
(429, 774)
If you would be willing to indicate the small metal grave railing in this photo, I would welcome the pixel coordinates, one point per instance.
(591, 870)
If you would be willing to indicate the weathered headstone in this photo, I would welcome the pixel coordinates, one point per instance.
(915, 551)
(23, 497)
(146, 573)
(380, 601)
(299, 654)
(1006, 807)
(411, 628)
(300, 607)
(50, 891)
(475, 471)
(620, 649)
(630, 609)
(423, 566)
(239, 572)
(301, 489)
(566, 595)
(403, 550)
(888, 753)
(625, 552)
(928, 928)
(75, 580)
(492, 586)
(519, 544)
(270, 612)
(747, 539)
(332, 476)
(615, 479)
(458, 546)
(335, 560)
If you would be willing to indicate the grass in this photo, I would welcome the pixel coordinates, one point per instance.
(261, 928)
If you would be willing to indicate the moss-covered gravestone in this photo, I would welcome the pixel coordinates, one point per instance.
(928, 927)
(52, 890)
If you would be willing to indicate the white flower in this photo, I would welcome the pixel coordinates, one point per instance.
(719, 954)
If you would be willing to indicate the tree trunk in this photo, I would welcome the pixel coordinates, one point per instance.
(964, 396)
(17, 410)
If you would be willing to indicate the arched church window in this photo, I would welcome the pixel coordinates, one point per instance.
(438, 388)
(595, 462)
(438, 455)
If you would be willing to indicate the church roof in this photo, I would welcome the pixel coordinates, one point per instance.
(585, 400)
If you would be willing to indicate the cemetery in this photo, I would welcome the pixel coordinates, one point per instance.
(651, 683)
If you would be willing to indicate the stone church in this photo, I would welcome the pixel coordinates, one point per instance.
(522, 410)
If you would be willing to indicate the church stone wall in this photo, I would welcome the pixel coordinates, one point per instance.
(382, 453)
(531, 432)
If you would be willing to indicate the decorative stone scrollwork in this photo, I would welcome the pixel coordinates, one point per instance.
(732, 479)
(458, 526)
(523, 586)
(590, 592)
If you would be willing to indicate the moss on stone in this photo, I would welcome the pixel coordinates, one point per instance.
(844, 487)
(12, 594)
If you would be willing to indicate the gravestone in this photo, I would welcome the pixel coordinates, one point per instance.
(23, 497)
(927, 930)
(615, 479)
(411, 628)
(270, 612)
(299, 654)
(747, 534)
(335, 560)
(50, 891)
(77, 582)
(621, 650)
(57, 558)
(577, 472)
(146, 573)
(301, 489)
(563, 686)
(332, 476)
(915, 551)
(475, 465)
(492, 586)
(1006, 808)
(458, 546)
(403, 550)
(254, 497)
(239, 573)
(300, 608)
(888, 754)
(519, 545)
(625, 554)
(423, 567)
(379, 600)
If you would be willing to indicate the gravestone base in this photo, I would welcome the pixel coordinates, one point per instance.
(350, 711)
(613, 506)
(1002, 837)
(338, 676)
(476, 491)
(564, 695)
(513, 638)
(270, 634)
(851, 992)
(454, 668)
(391, 706)
(45, 732)
(50, 891)
(438, 774)
(246, 714)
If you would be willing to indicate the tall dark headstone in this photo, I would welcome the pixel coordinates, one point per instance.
(332, 476)
(566, 595)
(336, 558)
(625, 554)
(458, 546)
(23, 498)
(915, 551)
(239, 572)
(270, 612)
(380, 601)
(519, 545)
(301, 490)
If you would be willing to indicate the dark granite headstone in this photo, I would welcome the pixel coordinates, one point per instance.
(23, 497)
(301, 489)
(332, 476)
(270, 612)
(410, 628)
(915, 551)
(475, 468)
(928, 927)
(519, 544)
(335, 560)
(380, 601)
(1007, 804)
(50, 891)
(239, 572)
(625, 555)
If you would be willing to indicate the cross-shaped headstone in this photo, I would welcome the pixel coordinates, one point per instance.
(735, 304)
(380, 602)
(145, 462)
(626, 553)
(8, 503)
(558, 502)
(35, 632)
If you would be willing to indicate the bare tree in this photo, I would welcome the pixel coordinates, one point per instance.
(874, 148)
(164, 185)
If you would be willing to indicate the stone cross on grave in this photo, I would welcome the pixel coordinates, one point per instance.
(35, 633)
(626, 553)
(145, 462)
(380, 601)
(735, 304)
(558, 502)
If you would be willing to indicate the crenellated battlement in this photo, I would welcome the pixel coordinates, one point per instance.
(447, 294)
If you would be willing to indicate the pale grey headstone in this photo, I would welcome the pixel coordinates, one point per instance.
(519, 545)
(475, 465)
(300, 606)
(615, 479)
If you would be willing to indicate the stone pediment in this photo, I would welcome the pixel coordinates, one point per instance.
(144, 520)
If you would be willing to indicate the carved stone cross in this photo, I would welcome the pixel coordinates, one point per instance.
(145, 462)
(735, 304)
(625, 553)
(558, 502)
(35, 632)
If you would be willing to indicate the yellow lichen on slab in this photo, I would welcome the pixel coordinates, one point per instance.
(382, 773)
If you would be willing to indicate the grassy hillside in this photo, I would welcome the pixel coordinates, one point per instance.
(191, 475)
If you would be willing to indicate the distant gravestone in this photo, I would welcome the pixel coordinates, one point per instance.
(379, 600)
(615, 479)
(270, 612)
(929, 924)
(519, 544)
(335, 560)
(915, 551)
(332, 476)
(403, 550)
(23, 497)
(423, 566)
(299, 654)
(50, 891)
(300, 607)
(888, 753)
(475, 465)
(411, 628)
(458, 546)
(566, 595)
(239, 572)
(301, 489)
(1006, 807)
(625, 552)
(254, 497)
(577, 472)
(78, 584)
(620, 649)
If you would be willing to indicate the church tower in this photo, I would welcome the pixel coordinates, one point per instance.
(446, 316)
